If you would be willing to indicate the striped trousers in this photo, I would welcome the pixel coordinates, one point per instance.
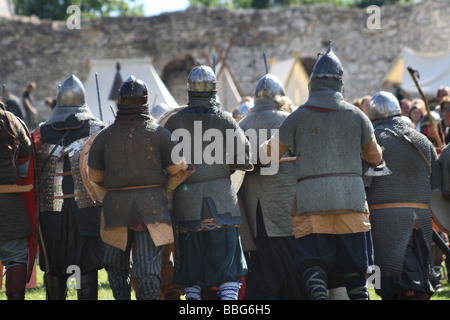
(144, 261)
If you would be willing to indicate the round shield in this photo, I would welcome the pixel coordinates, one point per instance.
(439, 210)
(166, 115)
(95, 191)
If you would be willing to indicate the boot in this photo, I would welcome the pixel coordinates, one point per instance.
(88, 286)
(15, 283)
(229, 290)
(356, 286)
(56, 287)
(315, 280)
(120, 284)
(148, 288)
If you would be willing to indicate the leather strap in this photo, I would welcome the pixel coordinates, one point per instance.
(66, 173)
(15, 188)
(66, 196)
(136, 187)
(326, 175)
(399, 205)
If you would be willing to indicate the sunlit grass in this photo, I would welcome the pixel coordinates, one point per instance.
(105, 293)
(104, 290)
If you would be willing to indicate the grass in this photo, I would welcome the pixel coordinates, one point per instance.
(104, 290)
(105, 293)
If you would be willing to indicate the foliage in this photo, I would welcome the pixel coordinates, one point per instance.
(57, 9)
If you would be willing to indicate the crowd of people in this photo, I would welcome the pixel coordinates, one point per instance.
(349, 201)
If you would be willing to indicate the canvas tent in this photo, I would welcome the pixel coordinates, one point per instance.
(294, 78)
(141, 68)
(433, 68)
(227, 89)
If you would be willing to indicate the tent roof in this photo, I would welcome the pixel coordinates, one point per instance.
(141, 68)
(433, 68)
(226, 88)
(293, 75)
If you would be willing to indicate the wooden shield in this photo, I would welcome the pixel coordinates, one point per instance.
(166, 115)
(440, 210)
(95, 191)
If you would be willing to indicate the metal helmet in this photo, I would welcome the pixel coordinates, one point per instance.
(383, 105)
(202, 79)
(132, 93)
(269, 87)
(71, 93)
(328, 66)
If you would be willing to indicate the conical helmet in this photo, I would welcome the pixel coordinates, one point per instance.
(269, 86)
(202, 79)
(328, 66)
(383, 105)
(71, 93)
(132, 93)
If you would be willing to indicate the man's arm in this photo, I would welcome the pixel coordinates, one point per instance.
(371, 152)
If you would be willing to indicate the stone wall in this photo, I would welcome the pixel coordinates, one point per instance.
(46, 52)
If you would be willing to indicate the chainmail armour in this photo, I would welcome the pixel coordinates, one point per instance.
(50, 156)
(133, 152)
(327, 142)
(412, 179)
(274, 192)
(209, 180)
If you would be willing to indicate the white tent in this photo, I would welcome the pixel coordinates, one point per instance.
(227, 90)
(294, 78)
(433, 68)
(140, 68)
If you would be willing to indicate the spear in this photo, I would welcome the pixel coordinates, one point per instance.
(414, 74)
(265, 62)
(98, 96)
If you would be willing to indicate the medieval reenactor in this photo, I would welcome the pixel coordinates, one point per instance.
(267, 201)
(399, 203)
(425, 128)
(16, 150)
(331, 225)
(69, 219)
(132, 160)
(208, 251)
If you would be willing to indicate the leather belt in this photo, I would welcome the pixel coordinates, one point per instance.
(399, 205)
(135, 187)
(15, 188)
(66, 196)
(66, 173)
(325, 175)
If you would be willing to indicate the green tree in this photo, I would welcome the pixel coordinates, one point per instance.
(57, 9)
